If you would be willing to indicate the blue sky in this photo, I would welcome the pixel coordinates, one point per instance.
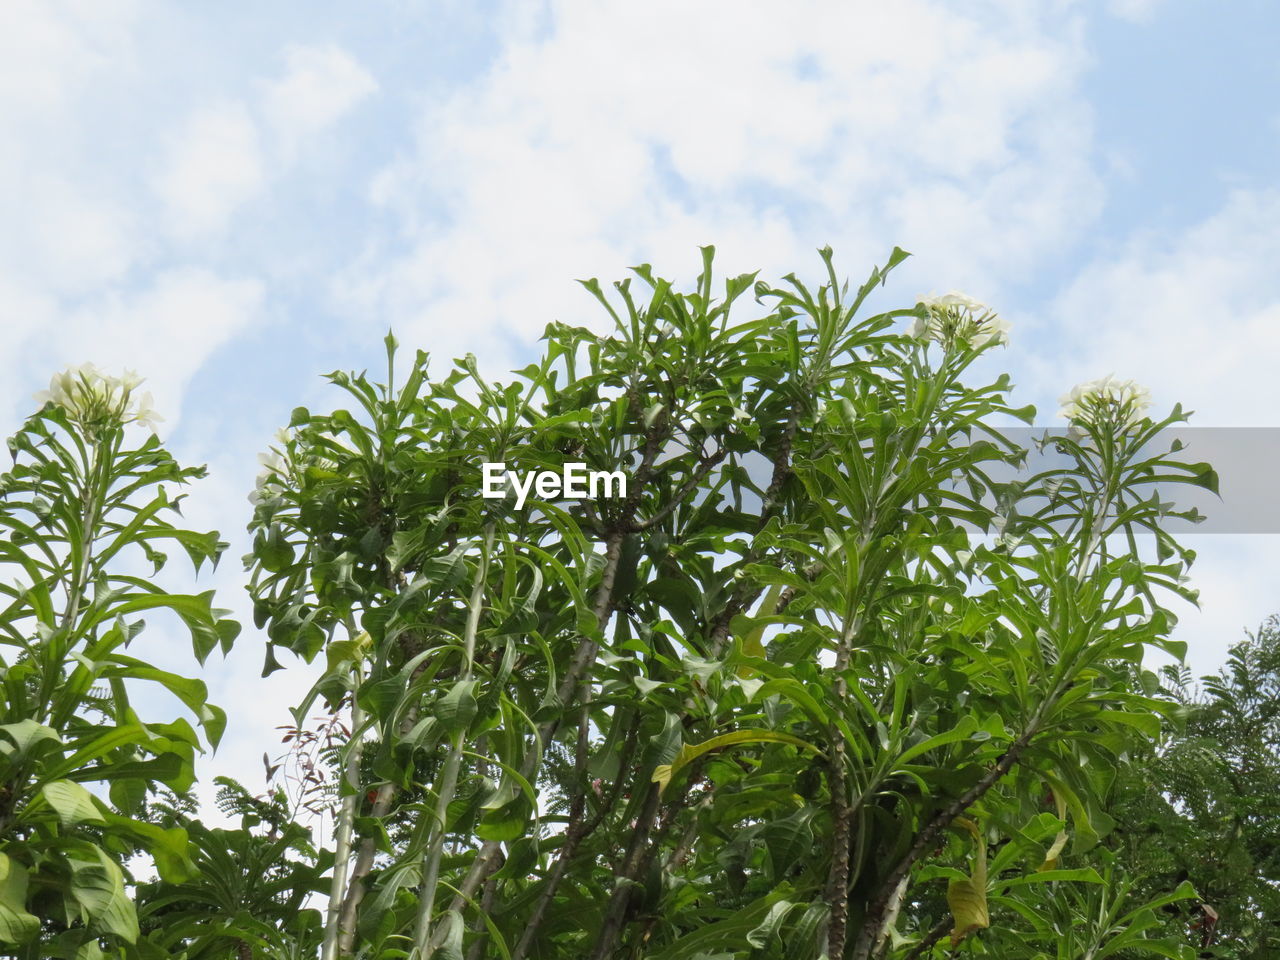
(234, 199)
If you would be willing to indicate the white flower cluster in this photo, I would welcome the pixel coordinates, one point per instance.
(275, 465)
(954, 318)
(93, 399)
(1122, 401)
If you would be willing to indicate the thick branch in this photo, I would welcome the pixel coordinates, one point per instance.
(616, 913)
(928, 839)
(448, 786)
(577, 808)
(938, 931)
(476, 951)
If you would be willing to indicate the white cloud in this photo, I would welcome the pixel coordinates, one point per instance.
(213, 164)
(1135, 11)
(66, 227)
(226, 154)
(78, 240)
(601, 135)
(166, 332)
(610, 138)
(109, 182)
(321, 84)
(1195, 316)
(52, 51)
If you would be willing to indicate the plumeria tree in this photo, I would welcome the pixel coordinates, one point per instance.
(88, 505)
(823, 682)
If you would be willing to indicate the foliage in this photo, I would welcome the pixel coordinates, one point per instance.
(86, 508)
(1202, 806)
(819, 683)
(246, 897)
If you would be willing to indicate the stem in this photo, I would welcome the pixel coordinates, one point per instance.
(877, 911)
(449, 784)
(637, 856)
(704, 467)
(477, 949)
(382, 801)
(938, 931)
(363, 864)
(90, 517)
(345, 828)
(841, 810)
(572, 837)
(895, 907)
(487, 859)
(620, 901)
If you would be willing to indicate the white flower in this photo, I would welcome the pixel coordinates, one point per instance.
(955, 318)
(95, 400)
(953, 300)
(1123, 401)
(272, 463)
(994, 330)
(271, 477)
(145, 415)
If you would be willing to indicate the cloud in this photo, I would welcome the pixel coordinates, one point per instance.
(67, 227)
(1194, 315)
(52, 52)
(125, 236)
(1135, 11)
(213, 165)
(165, 331)
(226, 153)
(320, 85)
(604, 137)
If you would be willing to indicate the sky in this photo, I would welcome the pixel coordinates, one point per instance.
(236, 198)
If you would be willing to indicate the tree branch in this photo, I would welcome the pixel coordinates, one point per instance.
(928, 838)
(938, 931)
(705, 466)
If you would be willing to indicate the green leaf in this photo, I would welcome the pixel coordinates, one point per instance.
(273, 550)
(967, 897)
(760, 935)
(457, 708)
(170, 848)
(726, 935)
(72, 802)
(788, 840)
(963, 730)
(690, 752)
(98, 886)
(16, 925)
(27, 733)
(507, 822)
(338, 652)
(451, 942)
(1077, 875)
